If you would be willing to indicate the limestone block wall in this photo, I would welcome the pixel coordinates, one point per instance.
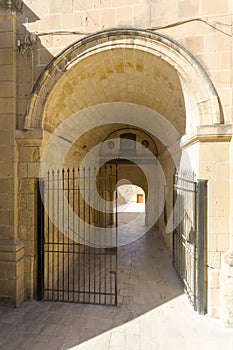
(8, 149)
(203, 27)
(11, 248)
(214, 166)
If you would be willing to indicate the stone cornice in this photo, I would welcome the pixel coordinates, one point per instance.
(11, 5)
(209, 133)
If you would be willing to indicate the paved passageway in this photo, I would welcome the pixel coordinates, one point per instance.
(153, 313)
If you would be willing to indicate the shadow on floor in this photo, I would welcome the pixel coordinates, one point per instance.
(146, 280)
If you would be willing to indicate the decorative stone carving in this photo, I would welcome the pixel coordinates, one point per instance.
(12, 5)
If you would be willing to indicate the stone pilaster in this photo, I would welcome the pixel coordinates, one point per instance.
(226, 277)
(11, 249)
(29, 143)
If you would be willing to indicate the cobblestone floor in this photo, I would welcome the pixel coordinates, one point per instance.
(153, 313)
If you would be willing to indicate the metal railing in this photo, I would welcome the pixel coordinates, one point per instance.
(75, 263)
(189, 236)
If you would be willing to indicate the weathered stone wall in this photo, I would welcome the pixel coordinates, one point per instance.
(214, 166)
(204, 27)
(11, 248)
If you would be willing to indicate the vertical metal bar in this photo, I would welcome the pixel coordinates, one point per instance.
(173, 218)
(73, 227)
(79, 219)
(48, 235)
(68, 231)
(182, 250)
(89, 230)
(40, 225)
(180, 227)
(84, 234)
(111, 257)
(202, 190)
(183, 246)
(94, 225)
(165, 205)
(116, 236)
(53, 262)
(195, 245)
(100, 255)
(58, 233)
(105, 232)
(185, 263)
(63, 230)
(188, 252)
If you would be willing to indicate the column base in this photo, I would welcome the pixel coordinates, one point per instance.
(11, 272)
(226, 289)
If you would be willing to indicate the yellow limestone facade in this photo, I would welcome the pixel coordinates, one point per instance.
(116, 64)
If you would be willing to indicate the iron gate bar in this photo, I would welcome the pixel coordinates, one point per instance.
(105, 222)
(94, 199)
(47, 222)
(58, 219)
(68, 270)
(63, 237)
(202, 190)
(53, 233)
(84, 234)
(68, 248)
(99, 257)
(116, 217)
(79, 260)
(180, 257)
(73, 226)
(40, 225)
(110, 185)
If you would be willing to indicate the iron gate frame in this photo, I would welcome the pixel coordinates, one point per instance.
(106, 291)
(194, 191)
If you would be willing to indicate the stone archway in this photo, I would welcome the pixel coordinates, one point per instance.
(123, 72)
(83, 61)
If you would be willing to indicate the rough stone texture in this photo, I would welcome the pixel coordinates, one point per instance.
(12, 272)
(199, 94)
(11, 249)
(210, 45)
(226, 286)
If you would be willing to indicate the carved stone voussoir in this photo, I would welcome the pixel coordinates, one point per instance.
(12, 5)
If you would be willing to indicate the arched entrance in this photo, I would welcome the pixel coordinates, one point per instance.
(134, 78)
(134, 50)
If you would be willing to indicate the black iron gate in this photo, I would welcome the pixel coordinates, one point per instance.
(77, 254)
(189, 238)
